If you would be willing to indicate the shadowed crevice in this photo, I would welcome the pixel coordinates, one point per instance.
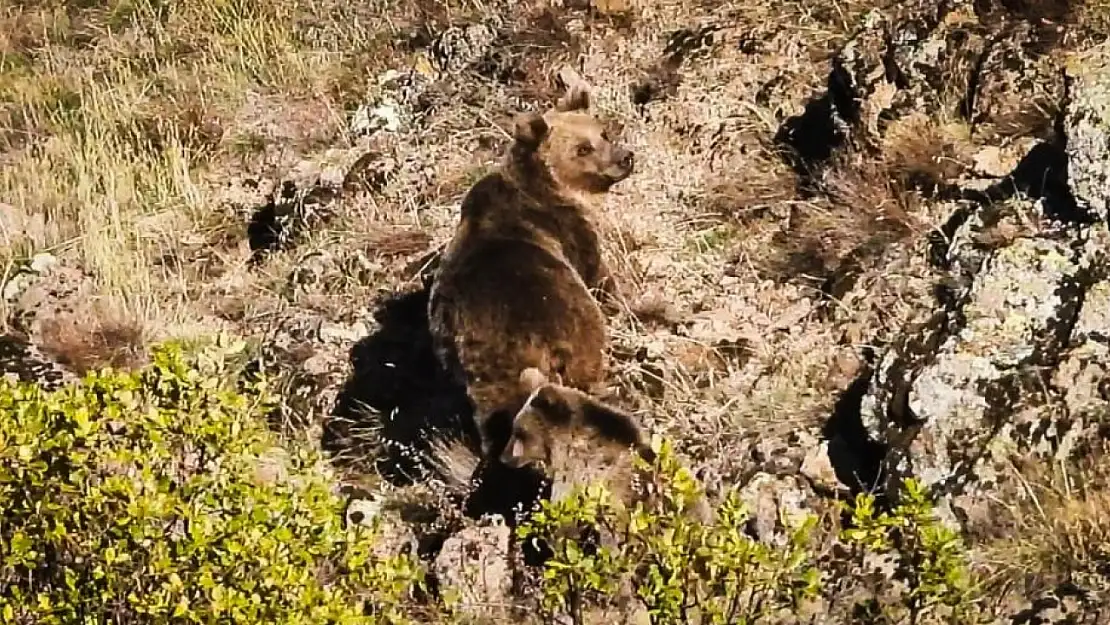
(856, 458)
(287, 216)
(397, 397)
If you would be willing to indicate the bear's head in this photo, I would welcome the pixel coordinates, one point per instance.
(558, 421)
(572, 145)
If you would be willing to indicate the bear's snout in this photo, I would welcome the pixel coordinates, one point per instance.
(625, 161)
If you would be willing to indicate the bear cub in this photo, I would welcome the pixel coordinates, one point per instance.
(515, 287)
(574, 439)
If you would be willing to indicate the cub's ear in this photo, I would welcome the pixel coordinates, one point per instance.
(577, 98)
(531, 379)
(529, 130)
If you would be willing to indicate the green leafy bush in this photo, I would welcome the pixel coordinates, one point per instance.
(929, 557)
(143, 497)
(680, 569)
(683, 571)
(137, 497)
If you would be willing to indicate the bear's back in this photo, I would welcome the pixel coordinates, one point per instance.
(496, 209)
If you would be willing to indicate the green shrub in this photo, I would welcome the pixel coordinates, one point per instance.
(684, 572)
(929, 557)
(135, 497)
(681, 570)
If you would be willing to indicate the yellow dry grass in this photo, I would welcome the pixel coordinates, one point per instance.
(109, 110)
(1055, 529)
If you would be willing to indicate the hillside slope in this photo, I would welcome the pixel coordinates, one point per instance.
(868, 240)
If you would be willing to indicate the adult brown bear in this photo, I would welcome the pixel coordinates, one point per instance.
(514, 288)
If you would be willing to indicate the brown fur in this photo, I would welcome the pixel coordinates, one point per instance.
(514, 287)
(576, 440)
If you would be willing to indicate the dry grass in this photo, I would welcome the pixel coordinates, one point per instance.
(1056, 530)
(866, 201)
(109, 108)
(93, 339)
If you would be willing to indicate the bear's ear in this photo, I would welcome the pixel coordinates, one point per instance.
(531, 379)
(529, 130)
(577, 98)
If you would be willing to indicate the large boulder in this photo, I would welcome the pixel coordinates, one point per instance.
(1086, 125)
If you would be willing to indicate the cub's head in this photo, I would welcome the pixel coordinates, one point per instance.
(572, 145)
(557, 418)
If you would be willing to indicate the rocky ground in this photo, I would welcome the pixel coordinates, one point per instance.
(870, 241)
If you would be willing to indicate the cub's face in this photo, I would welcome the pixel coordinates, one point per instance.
(574, 146)
(546, 416)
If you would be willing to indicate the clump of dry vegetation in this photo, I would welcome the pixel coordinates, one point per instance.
(93, 339)
(1055, 530)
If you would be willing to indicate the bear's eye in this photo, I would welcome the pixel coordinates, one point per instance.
(585, 149)
(605, 136)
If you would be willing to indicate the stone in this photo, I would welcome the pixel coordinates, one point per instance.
(1087, 127)
(777, 504)
(818, 468)
(1019, 87)
(474, 566)
(1066, 604)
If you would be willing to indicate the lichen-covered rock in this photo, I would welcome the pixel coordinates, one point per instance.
(776, 505)
(393, 536)
(900, 61)
(1017, 87)
(1067, 604)
(955, 399)
(923, 57)
(1087, 126)
(22, 361)
(474, 567)
(304, 354)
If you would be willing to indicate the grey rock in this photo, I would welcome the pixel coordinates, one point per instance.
(954, 398)
(22, 361)
(1067, 604)
(474, 566)
(1087, 126)
(41, 263)
(817, 467)
(776, 504)
(1019, 87)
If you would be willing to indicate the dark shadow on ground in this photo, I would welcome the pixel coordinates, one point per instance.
(397, 397)
(811, 138)
(856, 458)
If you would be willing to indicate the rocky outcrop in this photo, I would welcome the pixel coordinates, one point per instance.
(995, 319)
(1018, 267)
(473, 568)
(1086, 127)
(1002, 359)
(1066, 604)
